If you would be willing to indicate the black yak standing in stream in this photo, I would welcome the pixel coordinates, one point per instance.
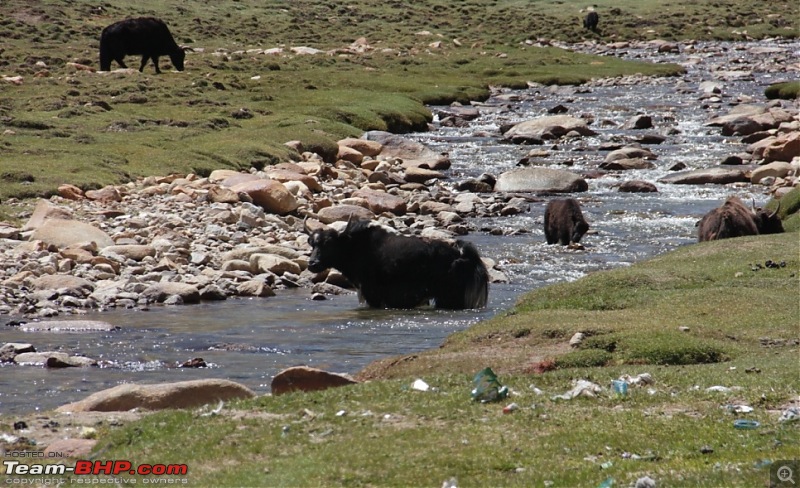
(395, 271)
(147, 36)
(564, 222)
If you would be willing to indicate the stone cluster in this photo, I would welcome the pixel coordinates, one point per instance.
(180, 239)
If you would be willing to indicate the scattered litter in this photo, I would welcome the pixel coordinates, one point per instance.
(488, 387)
(8, 438)
(341, 413)
(510, 408)
(420, 385)
(645, 482)
(753, 370)
(20, 425)
(582, 388)
(721, 389)
(746, 424)
(620, 387)
(216, 411)
(285, 431)
(638, 380)
(606, 465)
(739, 408)
(791, 414)
(683, 328)
(608, 483)
(535, 390)
(707, 450)
(451, 483)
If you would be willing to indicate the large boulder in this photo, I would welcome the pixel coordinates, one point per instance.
(67, 284)
(160, 292)
(68, 326)
(380, 201)
(270, 195)
(746, 119)
(630, 152)
(272, 263)
(719, 176)
(777, 169)
(183, 394)
(783, 147)
(65, 233)
(45, 210)
(537, 130)
(303, 378)
(363, 146)
(55, 359)
(329, 215)
(546, 180)
(412, 153)
(286, 176)
(136, 252)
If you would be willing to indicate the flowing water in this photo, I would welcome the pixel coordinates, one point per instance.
(249, 341)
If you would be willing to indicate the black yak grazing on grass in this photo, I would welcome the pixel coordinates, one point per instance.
(147, 36)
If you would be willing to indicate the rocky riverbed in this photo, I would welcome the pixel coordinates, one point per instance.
(483, 170)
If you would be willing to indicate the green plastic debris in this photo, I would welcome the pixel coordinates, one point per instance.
(487, 387)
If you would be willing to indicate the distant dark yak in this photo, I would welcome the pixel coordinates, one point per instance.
(734, 219)
(146, 36)
(591, 20)
(564, 222)
(395, 271)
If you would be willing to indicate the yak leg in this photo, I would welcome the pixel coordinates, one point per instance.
(120, 62)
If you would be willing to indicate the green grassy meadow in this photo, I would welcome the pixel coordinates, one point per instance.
(66, 125)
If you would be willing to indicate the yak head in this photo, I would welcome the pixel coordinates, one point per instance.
(766, 222)
(581, 227)
(329, 248)
(178, 57)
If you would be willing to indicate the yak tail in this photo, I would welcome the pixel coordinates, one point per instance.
(467, 283)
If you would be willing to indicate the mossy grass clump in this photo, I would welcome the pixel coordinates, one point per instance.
(789, 204)
(587, 358)
(671, 348)
(788, 90)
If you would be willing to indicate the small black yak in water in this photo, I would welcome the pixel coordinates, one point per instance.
(395, 271)
(734, 219)
(147, 36)
(564, 222)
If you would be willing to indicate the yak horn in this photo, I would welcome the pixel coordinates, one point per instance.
(776, 210)
(187, 49)
(305, 225)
